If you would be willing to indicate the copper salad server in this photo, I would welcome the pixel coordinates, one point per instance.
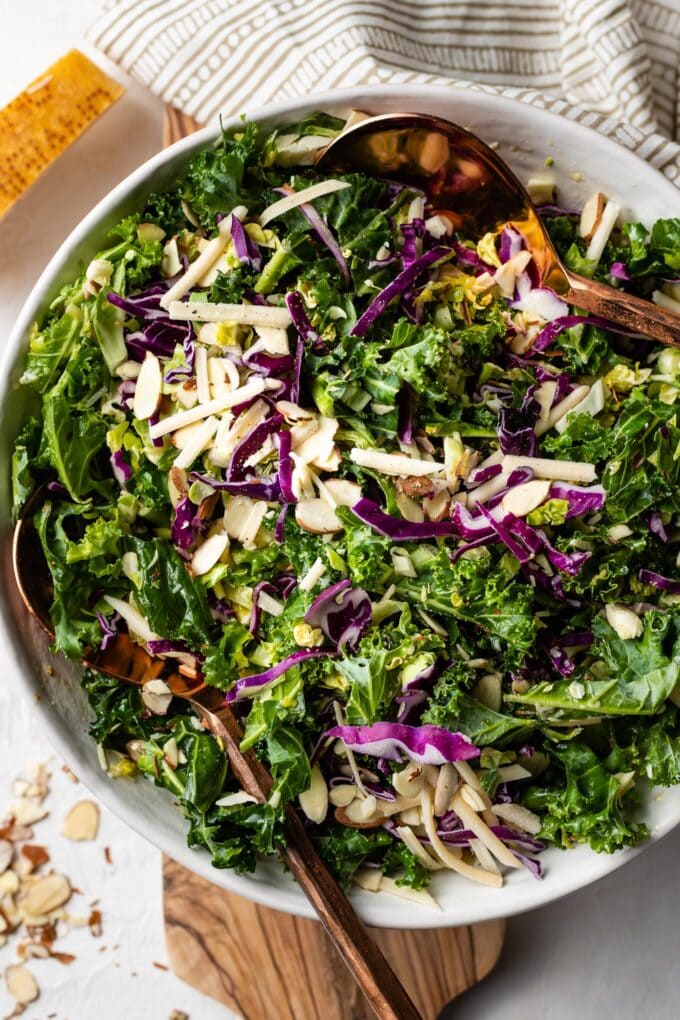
(131, 664)
(461, 174)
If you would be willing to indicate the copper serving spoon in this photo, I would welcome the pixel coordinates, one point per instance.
(131, 664)
(462, 175)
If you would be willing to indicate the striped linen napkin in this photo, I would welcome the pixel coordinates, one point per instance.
(611, 64)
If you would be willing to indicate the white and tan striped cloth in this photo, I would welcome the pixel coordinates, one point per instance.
(612, 64)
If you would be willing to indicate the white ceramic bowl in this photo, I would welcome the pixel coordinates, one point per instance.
(525, 136)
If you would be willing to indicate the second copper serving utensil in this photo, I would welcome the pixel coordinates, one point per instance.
(462, 175)
(131, 664)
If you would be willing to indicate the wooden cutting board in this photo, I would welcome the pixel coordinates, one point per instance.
(264, 964)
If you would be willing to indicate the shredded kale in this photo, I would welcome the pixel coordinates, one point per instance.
(549, 637)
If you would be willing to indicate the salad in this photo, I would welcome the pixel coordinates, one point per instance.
(416, 517)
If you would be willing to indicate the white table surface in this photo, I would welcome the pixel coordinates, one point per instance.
(610, 951)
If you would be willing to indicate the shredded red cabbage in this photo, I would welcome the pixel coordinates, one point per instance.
(659, 581)
(282, 441)
(267, 489)
(427, 745)
(656, 526)
(516, 430)
(122, 471)
(406, 401)
(110, 627)
(582, 500)
(187, 525)
(249, 686)
(550, 332)
(470, 259)
(249, 445)
(246, 250)
(619, 270)
(397, 528)
(416, 691)
(267, 364)
(512, 243)
(298, 314)
(397, 287)
(343, 613)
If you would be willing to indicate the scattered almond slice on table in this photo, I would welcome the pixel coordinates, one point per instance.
(34, 901)
(43, 120)
(82, 821)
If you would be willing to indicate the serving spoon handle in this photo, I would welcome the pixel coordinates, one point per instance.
(132, 664)
(371, 971)
(633, 313)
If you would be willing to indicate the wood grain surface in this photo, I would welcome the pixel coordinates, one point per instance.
(177, 125)
(262, 963)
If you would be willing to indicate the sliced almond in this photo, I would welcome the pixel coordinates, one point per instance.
(317, 446)
(148, 389)
(135, 749)
(186, 394)
(447, 784)
(341, 796)
(415, 485)
(293, 413)
(409, 780)
(208, 553)
(9, 883)
(437, 507)
(518, 816)
(317, 516)
(171, 753)
(26, 811)
(368, 879)
(488, 690)
(591, 215)
(411, 816)
(314, 800)
(343, 491)
(511, 773)
(46, 894)
(524, 498)
(21, 984)
(353, 816)
(157, 696)
(177, 485)
(404, 892)
(409, 508)
(36, 951)
(171, 263)
(243, 518)
(6, 854)
(624, 621)
(82, 821)
(34, 856)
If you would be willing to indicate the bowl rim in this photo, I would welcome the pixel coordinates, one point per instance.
(281, 892)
